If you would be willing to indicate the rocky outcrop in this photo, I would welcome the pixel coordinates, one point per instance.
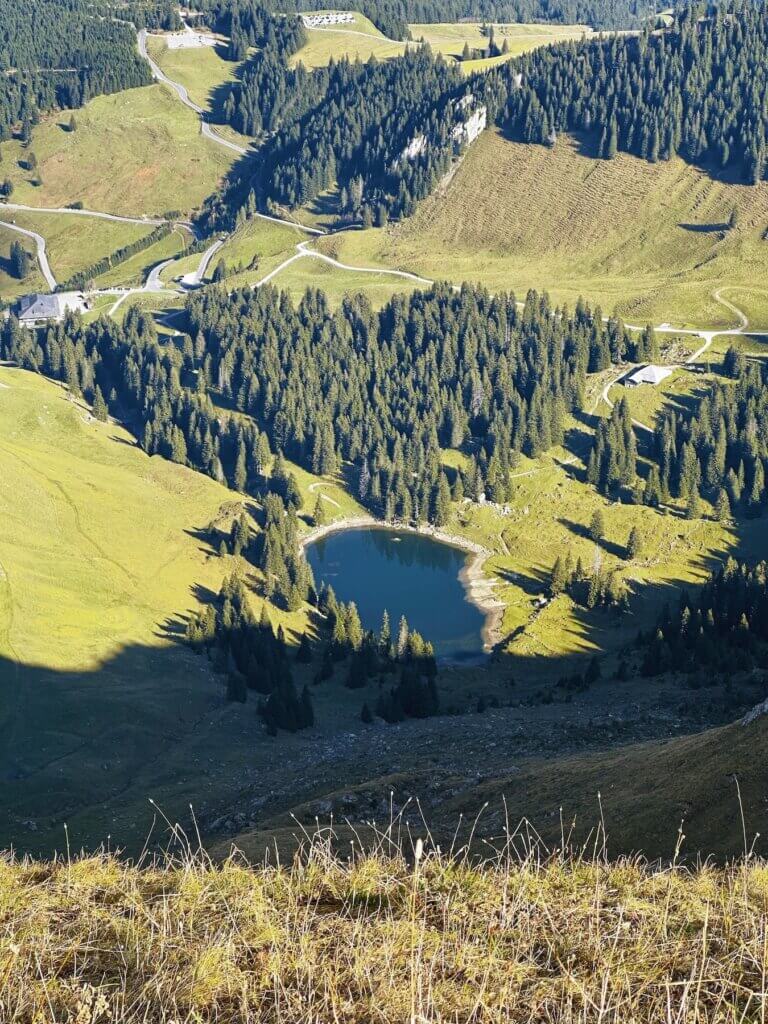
(756, 712)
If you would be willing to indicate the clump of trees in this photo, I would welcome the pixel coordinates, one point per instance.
(596, 587)
(612, 463)
(61, 53)
(406, 654)
(723, 628)
(720, 451)
(349, 123)
(696, 90)
(255, 657)
(20, 261)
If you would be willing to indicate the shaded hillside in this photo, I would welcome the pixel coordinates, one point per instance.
(641, 793)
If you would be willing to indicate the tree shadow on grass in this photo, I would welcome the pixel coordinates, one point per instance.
(533, 585)
(6, 267)
(705, 229)
(579, 530)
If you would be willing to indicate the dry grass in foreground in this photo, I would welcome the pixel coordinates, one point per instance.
(379, 937)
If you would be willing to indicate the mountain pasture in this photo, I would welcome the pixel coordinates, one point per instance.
(648, 241)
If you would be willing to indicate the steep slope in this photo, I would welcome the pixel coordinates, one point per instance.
(100, 559)
(134, 153)
(701, 794)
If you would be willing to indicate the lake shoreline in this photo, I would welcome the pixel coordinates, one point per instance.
(479, 588)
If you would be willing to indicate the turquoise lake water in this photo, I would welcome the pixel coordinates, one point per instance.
(408, 574)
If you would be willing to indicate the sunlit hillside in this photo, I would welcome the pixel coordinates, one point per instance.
(134, 153)
(649, 240)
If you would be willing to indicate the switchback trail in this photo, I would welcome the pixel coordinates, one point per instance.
(206, 128)
(205, 261)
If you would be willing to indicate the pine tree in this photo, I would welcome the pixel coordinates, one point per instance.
(354, 627)
(402, 638)
(19, 261)
(241, 474)
(693, 505)
(723, 506)
(558, 580)
(385, 635)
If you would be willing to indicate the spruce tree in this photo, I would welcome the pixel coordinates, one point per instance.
(100, 411)
(597, 526)
(634, 543)
(723, 506)
(558, 579)
(318, 513)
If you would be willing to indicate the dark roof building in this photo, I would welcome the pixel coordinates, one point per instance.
(40, 308)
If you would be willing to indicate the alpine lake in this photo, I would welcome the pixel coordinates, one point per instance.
(404, 573)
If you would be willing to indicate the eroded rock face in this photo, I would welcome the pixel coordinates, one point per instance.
(756, 712)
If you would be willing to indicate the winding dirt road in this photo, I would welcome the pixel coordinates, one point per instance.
(706, 336)
(154, 283)
(159, 75)
(42, 256)
(202, 268)
(302, 252)
(149, 221)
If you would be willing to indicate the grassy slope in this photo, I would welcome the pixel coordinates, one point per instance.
(646, 792)
(133, 270)
(74, 243)
(450, 39)
(549, 514)
(200, 71)
(75, 478)
(336, 283)
(259, 244)
(687, 791)
(346, 40)
(263, 246)
(136, 152)
(99, 557)
(203, 73)
(611, 231)
(10, 287)
(374, 937)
